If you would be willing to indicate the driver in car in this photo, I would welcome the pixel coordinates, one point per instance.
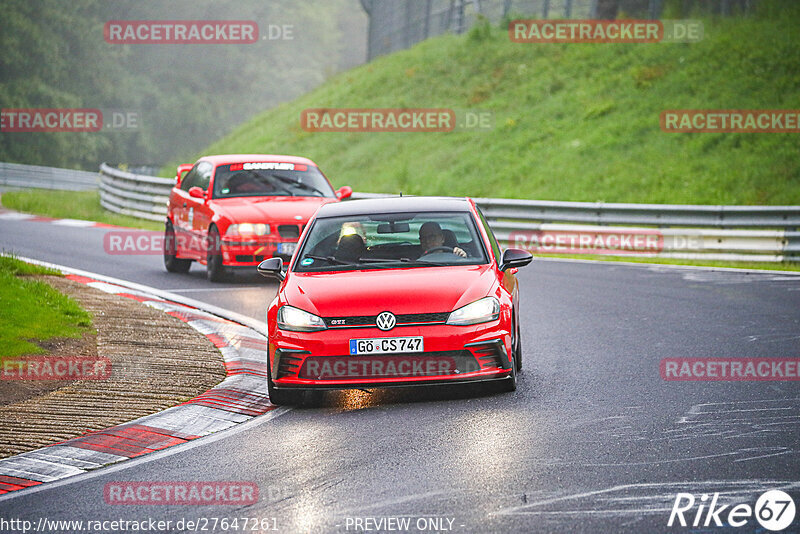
(431, 239)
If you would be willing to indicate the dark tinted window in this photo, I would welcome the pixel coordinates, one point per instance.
(270, 179)
(393, 240)
(199, 176)
(492, 240)
(190, 177)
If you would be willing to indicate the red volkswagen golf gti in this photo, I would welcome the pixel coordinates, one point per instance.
(235, 211)
(394, 292)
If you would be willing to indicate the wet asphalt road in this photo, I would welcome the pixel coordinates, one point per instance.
(593, 439)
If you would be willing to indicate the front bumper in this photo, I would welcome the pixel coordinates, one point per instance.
(249, 253)
(452, 354)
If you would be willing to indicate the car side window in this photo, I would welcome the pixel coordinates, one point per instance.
(492, 240)
(199, 176)
(190, 179)
(204, 169)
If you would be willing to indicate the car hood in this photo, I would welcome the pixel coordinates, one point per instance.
(261, 209)
(400, 291)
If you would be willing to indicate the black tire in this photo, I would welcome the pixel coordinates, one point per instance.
(171, 261)
(518, 350)
(215, 270)
(507, 385)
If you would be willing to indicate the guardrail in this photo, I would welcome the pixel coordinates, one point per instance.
(137, 195)
(15, 175)
(730, 233)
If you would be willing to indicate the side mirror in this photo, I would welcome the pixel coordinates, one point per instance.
(196, 192)
(514, 257)
(271, 268)
(186, 167)
(344, 192)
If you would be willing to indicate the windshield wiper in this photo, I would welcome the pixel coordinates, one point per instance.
(402, 262)
(297, 183)
(384, 260)
(329, 259)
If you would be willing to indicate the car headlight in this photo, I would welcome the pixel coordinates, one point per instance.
(297, 320)
(247, 229)
(481, 311)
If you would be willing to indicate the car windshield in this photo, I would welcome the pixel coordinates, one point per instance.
(270, 179)
(381, 241)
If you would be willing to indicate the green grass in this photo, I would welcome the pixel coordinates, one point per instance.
(769, 266)
(84, 205)
(31, 310)
(571, 121)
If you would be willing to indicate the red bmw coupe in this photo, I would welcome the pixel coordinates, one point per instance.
(235, 211)
(394, 292)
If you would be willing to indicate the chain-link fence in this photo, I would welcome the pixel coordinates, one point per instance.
(398, 24)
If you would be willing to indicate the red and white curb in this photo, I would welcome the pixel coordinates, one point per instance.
(76, 223)
(239, 398)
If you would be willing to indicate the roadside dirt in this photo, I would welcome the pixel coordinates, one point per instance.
(157, 361)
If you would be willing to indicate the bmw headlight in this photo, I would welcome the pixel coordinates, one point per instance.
(297, 320)
(247, 229)
(481, 311)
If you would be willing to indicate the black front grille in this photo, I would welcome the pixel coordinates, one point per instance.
(288, 365)
(423, 318)
(489, 355)
(402, 319)
(249, 258)
(289, 231)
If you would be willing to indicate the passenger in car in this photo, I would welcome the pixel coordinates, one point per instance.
(350, 248)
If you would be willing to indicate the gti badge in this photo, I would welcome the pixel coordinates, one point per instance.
(386, 321)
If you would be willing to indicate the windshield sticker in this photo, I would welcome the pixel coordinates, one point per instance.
(307, 261)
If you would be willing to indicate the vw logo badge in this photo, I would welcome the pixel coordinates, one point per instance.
(386, 321)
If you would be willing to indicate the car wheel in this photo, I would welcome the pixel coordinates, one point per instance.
(215, 270)
(510, 384)
(518, 350)
(171, 261)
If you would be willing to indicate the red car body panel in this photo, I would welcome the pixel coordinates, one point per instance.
(413, 290)
(192, 217)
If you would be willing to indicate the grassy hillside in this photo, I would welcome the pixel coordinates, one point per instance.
(572, 121)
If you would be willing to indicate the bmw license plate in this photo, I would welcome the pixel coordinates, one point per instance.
(385, 345)
(287, 248)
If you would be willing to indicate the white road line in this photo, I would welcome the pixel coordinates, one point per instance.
(77, 223)
(201, 289)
